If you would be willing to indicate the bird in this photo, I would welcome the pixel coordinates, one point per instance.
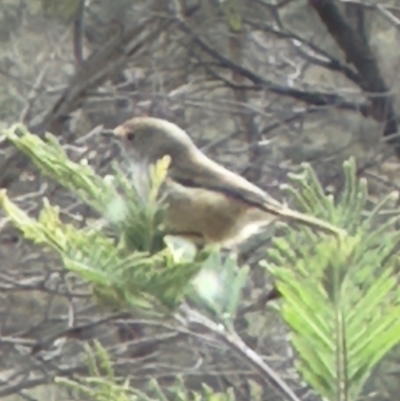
(206, 203)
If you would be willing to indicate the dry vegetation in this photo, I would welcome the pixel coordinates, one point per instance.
(282, 84)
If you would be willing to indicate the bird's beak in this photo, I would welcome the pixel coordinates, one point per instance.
(119, 132)
(116, 135)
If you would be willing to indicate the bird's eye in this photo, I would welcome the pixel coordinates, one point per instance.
(130, 136)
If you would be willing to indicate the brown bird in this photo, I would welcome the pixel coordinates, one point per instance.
(206, 203)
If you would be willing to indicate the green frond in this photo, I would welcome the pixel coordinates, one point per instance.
(103, 385)
(132, 266)
(50, 158)
(218, 287)
(340, 295)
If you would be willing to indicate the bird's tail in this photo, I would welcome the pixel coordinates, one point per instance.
(313, 222)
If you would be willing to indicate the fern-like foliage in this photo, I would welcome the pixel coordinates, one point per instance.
(136, 269)
(341, 297)
(103, 385)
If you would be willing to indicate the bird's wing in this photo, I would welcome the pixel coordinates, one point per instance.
(205, 173)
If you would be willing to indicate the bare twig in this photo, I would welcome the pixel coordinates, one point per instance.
(194, 320)
(260, 83)
(78, 33)
(310, 51)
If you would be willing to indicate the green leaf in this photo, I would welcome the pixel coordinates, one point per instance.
(340, 295)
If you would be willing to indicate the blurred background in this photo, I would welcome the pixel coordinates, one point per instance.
(260, 85)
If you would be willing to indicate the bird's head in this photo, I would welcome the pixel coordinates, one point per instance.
(148, 139)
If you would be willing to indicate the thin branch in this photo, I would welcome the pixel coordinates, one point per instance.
(388, 10)
(260, 83)
(388, 15)
(78, 33)
(32, 95)
(321, 56)
(312, 98)
(200, 322)
(78, 332)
